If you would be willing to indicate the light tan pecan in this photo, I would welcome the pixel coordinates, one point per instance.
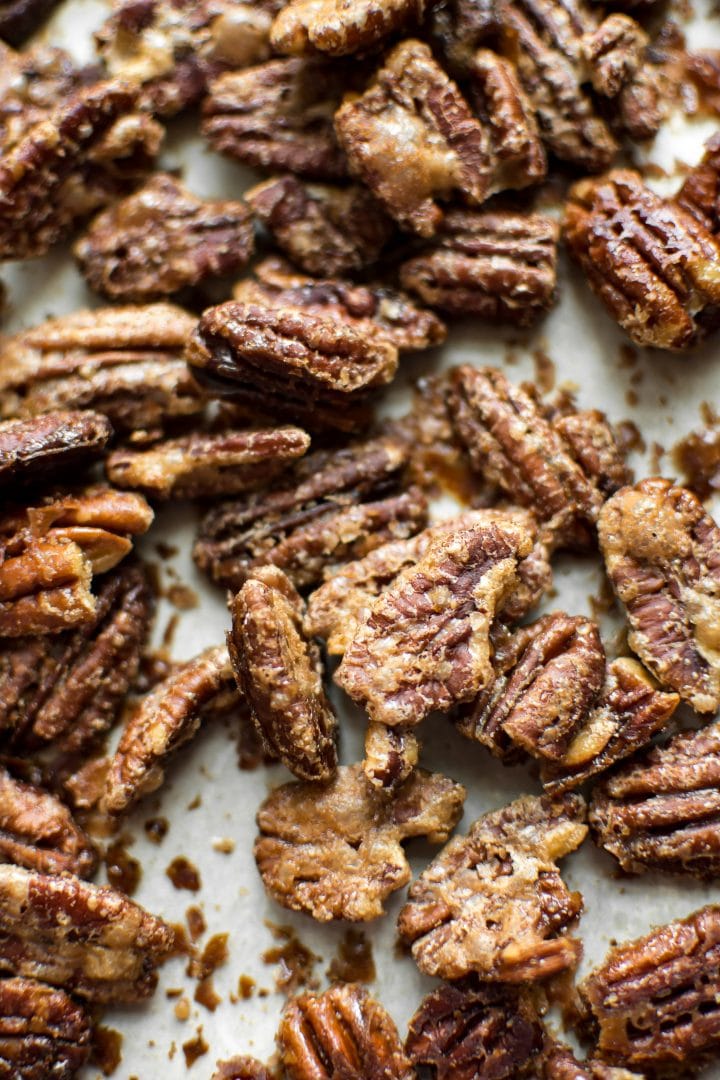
(20, 18)
(40, 447)
(493, 902)
(335, 851)
(340, 27)
(700, 192)
(43, 1032)
(92, 941)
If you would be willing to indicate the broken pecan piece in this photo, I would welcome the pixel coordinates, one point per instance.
(92, 941)
(493, 902)
(45, 588)
(341, 1033)
(335, 851)
(339, 27)
(242, 1068)
(391, 754)
(654, 265)
(20, 18)
(43, 1032)
(668, 578)
(559, 1063)
(700, 193)
(617, 54)
(40, 447)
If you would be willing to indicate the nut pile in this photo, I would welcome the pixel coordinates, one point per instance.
(405, 150)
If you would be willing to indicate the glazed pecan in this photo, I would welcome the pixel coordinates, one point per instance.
(499, 265)
(476, 1031)
(591, 442)
(162, 721)
(59, 442)
(279, 115)
(43, 1032)
(92, 941)
(20, 18)
(654, 265)
(700, 193)
(668, 578)
(324, 229)
(493, 902)
(31, 84)
(559, 1063)
(336, 27)
(655, 1000)
(45, 588)
(616, 55)
(337, 505)
(335, 851)
(162, 239)
(391, 754)
(125, 362)
(280, 674)
(203, 466)
(341, 1033)
(241, 1068)
(443, 149)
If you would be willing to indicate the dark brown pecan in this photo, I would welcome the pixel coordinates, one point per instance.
(43, 1032)
(323, 229)
(279, 115)
(20, 18)
(700, 193)
(476, 1031)
(335, 850)
(242, 1068)
(339, 27)
(280, 674)
(162, 239)
(201, 466)
(442, 147)
(559, 1063)
(655, 1000)
(31, 84)
(59, 442)
(92, 941)
(668, 578)
(654, 265)
(341, 1033)
(162, 721)
(498, 265)
(125, 362)
(391, 754)
(493, 902)
(617, 54)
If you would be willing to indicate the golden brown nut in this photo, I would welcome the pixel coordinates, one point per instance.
(700, 192)
(43, 1032)
(340, 27)
(242, 1068)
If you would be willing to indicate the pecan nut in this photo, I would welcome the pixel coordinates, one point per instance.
(20, 18)
(700, 193)
(617, 55)
(46, 588)
(59, 442)
(335, 851)
(391, 754)
(493, 902)
(559, 1063)
(337, 28)
(241, 1068)
(43, 1032)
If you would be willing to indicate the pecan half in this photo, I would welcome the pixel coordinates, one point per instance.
(59, 442)
(43, 1032)
(20, 18)
(476, 1031)
(559, 1063)
(323, 229)
(443, 149)
(654, 265)
(162, 239)
(339, 27)
(341, 1033)
(617, 57)
(335, 851)
(280, 674)
(700, 193)
(45, 588)
(493, 902)
(92, 941)
(668, 578)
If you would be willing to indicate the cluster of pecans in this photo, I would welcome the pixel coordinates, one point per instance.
(392, 196)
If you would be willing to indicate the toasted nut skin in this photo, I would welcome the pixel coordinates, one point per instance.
(338, 28)
(700, 192)
(43, 1032)
(92, 941)
(493, 902)
(334, 851)
(40, 447)
(19, 18)
(343, 1032)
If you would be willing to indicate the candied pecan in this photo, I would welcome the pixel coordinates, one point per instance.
(20, 18)
(45, 588)
(700, 193)
(241, 1068)
(279, 115)
(92, 941)
(280, 673)
(655, 999)
(339, 27)
(475, 1031)
(616, 53)
(668, 578)
(42, 446)
(654, 265)
(31, 84)
(162, 239)
(334, 850)
(125, 362)
(498, 264)
(591, 442)
(43, 1032)
(167, 717)
(493, 902)
(391, 754)
(343, 1033)
(323, 229)
(559, 1063)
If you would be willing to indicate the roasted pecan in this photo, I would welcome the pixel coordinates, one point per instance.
(92, 941)
(31, 84)
(45, 588)
(161, 722)
(668, 578)
(654, 265)
(43, 1032)
(280, 674)
(43, 446)
(341, 1033)
(391, 754)
(622, 72)
(242, 1068)
(498, 265)
(19, 18)
(700, 193)
(125, 362)
(339, 27)
(162, 239)
(323, 229)
(334, 850)
(655, 1000)
(476, 1031)
(559, 1063)
(493, 902)
(591, 442)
